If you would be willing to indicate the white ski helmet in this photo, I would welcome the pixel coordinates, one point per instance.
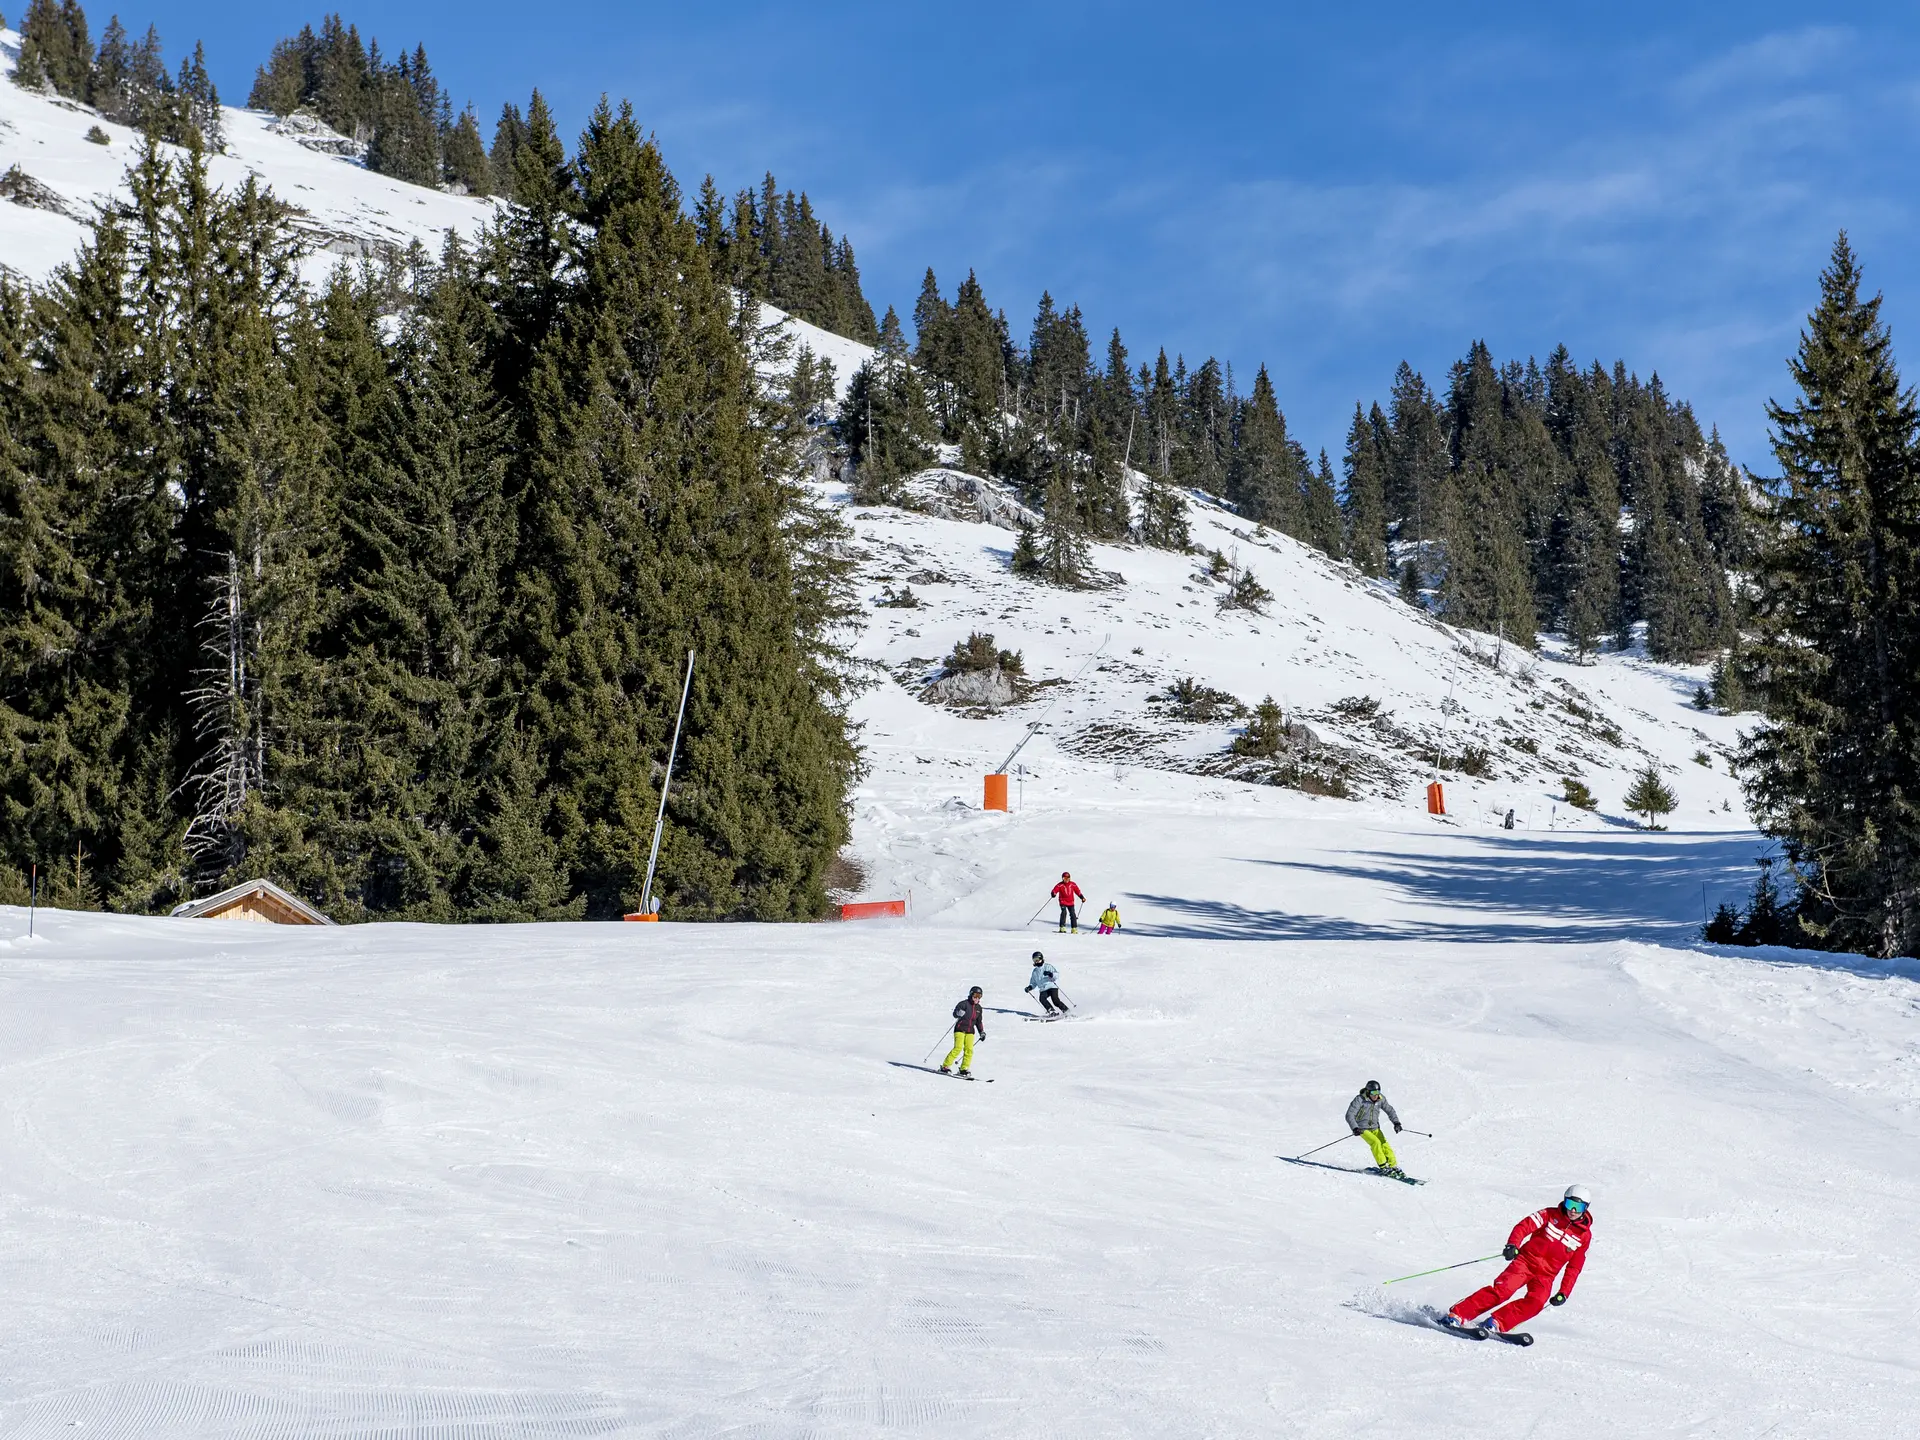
(1580, 1193)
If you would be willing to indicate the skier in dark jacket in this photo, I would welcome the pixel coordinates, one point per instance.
(968, 1021)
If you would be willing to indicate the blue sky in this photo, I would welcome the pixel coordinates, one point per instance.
(1271, 183)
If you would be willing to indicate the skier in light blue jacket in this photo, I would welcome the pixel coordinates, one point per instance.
(1045, 982)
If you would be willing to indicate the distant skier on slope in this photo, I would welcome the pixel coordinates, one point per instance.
(1110, 919)
(1538, 1248)
(1069, 895)
(968, 1021)
(1045, 982)
(1363, 1118)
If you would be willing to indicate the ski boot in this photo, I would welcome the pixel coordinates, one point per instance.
(966, 1074)
(946, 1070)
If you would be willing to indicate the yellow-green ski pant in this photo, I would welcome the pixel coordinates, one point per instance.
(962, 1047)
(1382, 1152)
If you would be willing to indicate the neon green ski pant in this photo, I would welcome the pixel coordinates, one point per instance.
(1382, 1151)
(962, 1050)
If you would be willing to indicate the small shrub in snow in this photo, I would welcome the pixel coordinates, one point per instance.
(1576, 794)
(98, 136)
(1700, 757)
(1027, 559)
(1475, 760)
(1199, 703)
(1526, 743)
(901, 599)
(1266, 733)
(977, 652)
(1357, 707)
(1245, 592)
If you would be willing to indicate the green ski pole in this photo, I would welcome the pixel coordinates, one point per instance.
(1418, 1273)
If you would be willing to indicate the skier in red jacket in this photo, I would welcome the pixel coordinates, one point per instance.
(1539, 1247)
(1069, 895)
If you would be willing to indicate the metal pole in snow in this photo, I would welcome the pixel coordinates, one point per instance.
(33, 899)
(660, 820)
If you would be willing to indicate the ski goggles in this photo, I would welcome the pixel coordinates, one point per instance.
(1574, 1207)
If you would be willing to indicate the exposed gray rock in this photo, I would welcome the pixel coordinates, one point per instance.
(983, 689)
(22, 189)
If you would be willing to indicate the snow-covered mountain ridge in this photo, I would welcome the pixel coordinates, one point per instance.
(346, 209)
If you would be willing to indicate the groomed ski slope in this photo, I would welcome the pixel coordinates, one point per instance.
(674, 1180)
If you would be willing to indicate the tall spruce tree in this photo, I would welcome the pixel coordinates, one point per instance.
(1263, 479)
(1836, 621)
(1365, 498)
(885, 421)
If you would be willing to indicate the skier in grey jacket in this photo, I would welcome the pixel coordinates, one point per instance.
(1363, 1118)
(1046, 982)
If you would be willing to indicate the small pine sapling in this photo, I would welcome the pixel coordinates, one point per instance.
(1244, 591)
(1650, 796)
(1266, 733)
(1576, 793)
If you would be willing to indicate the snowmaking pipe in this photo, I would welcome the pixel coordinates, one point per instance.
(1033, 726)
(1328, 1146)
(1461, 1266)
(660, 820)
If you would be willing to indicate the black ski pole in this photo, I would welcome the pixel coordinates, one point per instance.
(1037, 914)
(936, 1046)
(1328, 1146)
(1411, 1131)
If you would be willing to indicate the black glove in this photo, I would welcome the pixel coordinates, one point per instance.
(1029, 989)
(1396, 1127)
(1356, 1132)
(1558, 1300)
(1509, 1252)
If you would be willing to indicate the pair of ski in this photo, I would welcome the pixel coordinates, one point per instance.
(1349, 1170)
(933, 1070)
(1476, 1332)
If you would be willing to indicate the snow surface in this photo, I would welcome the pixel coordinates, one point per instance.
(350, 210)
(688, 1180)
(680, 1180)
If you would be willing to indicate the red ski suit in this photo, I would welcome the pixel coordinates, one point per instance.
(1067, 893)
(1547, 1239)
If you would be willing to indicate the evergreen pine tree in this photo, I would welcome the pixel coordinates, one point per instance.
(1263, 479)
(885, 421)
(465, 164)
(1832, 772)
(1365, 498)
(509, 134)
(55, 49)
(1322, 510)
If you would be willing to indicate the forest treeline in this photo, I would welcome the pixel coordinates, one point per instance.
(767, 243)
(125, 81)
(1525, 497)
(386, 591)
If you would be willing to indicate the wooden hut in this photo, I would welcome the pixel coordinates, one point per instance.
(261, 901)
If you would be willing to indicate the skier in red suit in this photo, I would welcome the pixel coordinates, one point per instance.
(1540, 1247)
(1069, 895)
